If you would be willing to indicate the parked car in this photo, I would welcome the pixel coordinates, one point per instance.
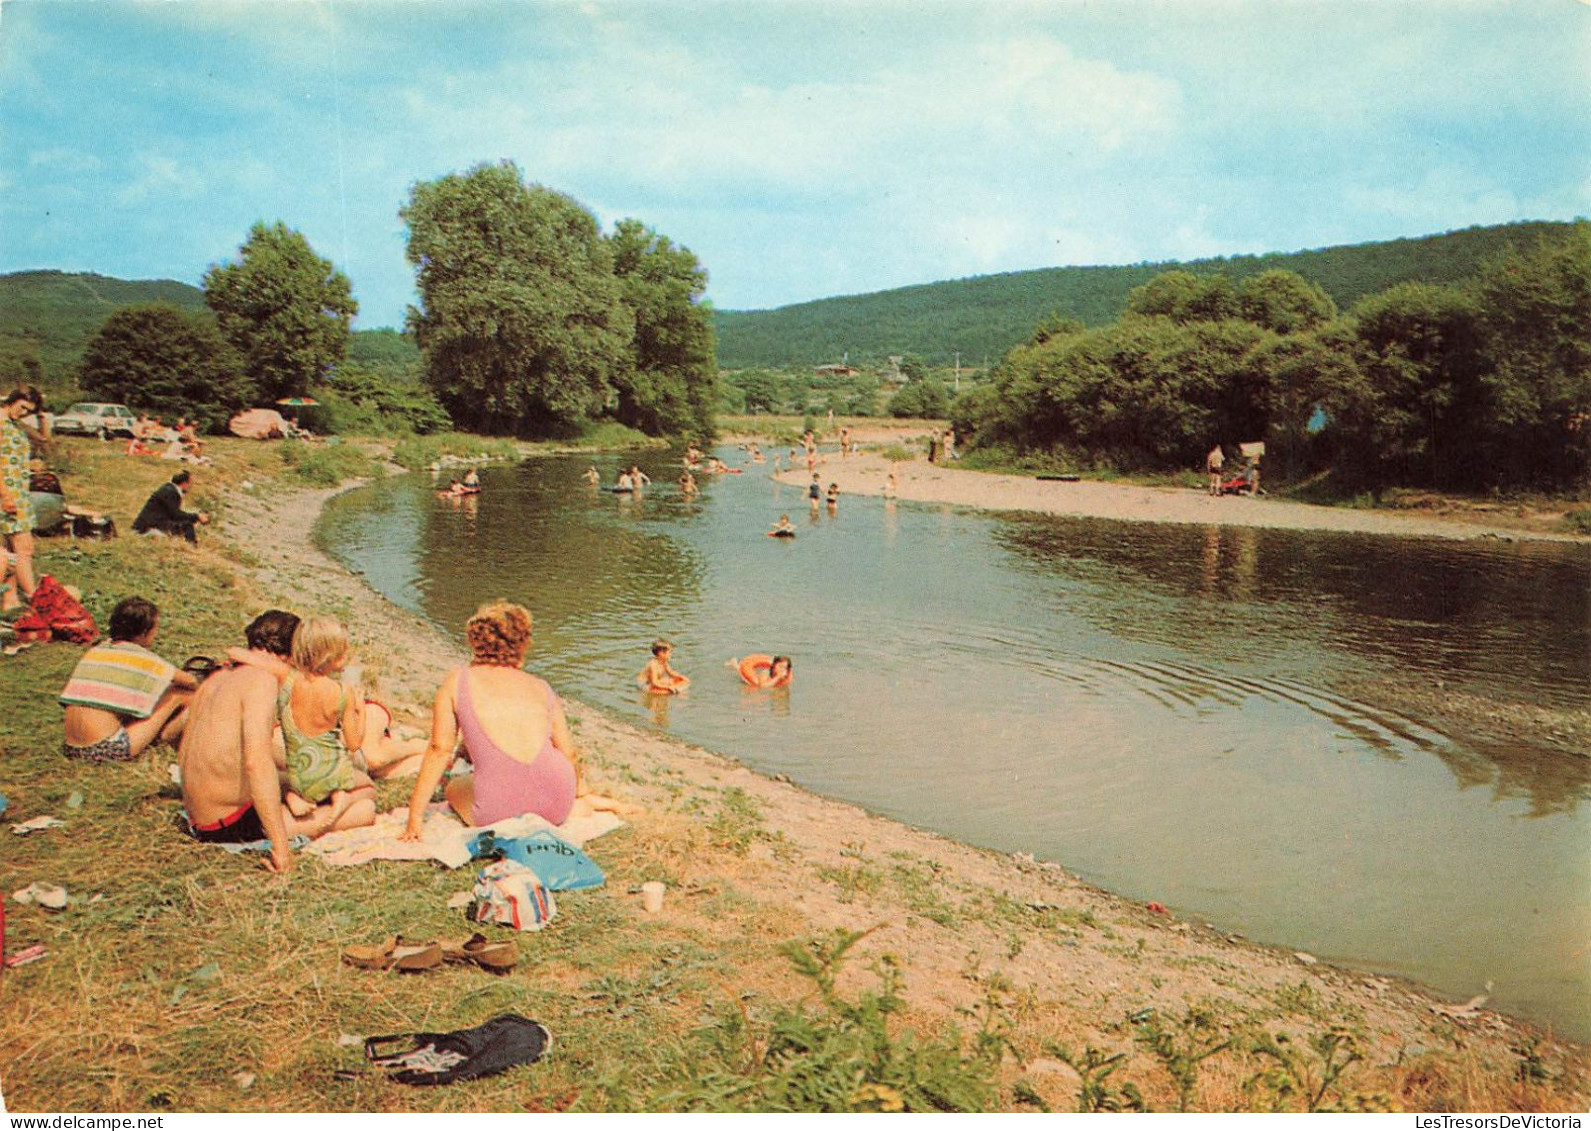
(87, 418)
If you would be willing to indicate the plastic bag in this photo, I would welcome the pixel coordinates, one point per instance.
(509, 894)
(558, 864)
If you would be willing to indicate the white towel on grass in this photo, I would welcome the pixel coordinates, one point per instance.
(443, 837)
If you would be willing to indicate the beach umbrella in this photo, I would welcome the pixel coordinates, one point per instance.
(300, 402)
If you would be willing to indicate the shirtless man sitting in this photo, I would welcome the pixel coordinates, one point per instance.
(230, 784)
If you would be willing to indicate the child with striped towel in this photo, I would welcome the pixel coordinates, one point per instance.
(121, 696)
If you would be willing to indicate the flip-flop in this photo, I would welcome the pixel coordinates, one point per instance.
(484, 952)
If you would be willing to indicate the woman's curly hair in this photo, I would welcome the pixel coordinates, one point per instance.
(499, 634)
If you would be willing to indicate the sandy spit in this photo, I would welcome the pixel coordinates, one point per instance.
(1099, 956)
(921, 481)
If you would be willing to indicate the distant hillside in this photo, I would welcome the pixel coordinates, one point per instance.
(58, 312)
(55, 313)
(986, 315)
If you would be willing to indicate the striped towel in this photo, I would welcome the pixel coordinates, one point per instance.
(120, 677)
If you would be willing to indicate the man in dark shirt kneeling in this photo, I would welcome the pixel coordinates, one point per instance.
(163, 511)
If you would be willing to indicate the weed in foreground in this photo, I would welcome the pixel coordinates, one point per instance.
(1308, 1074)
(1094, 1067)
(848, 1054)
(1182, 1046)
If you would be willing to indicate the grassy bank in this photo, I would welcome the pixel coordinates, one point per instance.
(810, 956)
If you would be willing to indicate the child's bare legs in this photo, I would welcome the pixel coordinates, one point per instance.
(354, 808)
(394, 757)
(298, 806)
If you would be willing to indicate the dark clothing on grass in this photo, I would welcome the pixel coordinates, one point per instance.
(163, 512)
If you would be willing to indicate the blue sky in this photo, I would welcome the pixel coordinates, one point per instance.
(800, 149)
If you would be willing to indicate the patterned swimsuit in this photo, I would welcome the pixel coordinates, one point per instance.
(317, 764)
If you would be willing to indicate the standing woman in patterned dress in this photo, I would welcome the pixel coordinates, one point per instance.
(16, 504)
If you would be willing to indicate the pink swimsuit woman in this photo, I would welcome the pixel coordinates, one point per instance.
(505, 786)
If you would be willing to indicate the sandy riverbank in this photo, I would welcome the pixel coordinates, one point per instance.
(1071, 963)
(921, 481)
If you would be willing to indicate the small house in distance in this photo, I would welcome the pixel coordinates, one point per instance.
(836, 370)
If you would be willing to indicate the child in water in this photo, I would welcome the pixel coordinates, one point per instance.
(784, 528)
(658, 676)
(763, 671)
(834, 495)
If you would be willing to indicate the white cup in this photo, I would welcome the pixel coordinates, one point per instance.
(652, 897)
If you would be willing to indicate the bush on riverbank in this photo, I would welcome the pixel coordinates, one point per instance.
(416, 453)
(326, 465)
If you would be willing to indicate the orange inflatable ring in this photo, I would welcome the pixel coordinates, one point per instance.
(754, 667)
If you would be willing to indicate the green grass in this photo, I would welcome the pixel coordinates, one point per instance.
(325, 465)
(416, 453)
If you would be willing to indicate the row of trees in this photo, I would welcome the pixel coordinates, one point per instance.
(531, 321)
(1481, 385)
(277, 321)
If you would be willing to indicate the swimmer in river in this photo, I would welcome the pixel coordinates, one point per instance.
(833, 497)
(658, 677)
(592, 476)
(687, 484)
(784, 528)
(764, 671)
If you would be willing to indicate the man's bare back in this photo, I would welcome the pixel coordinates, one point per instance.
(228, 765)
(211, 755)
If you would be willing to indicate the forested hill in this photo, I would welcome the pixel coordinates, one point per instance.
(57, 312)
(985, 316)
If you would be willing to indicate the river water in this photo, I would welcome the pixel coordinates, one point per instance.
(1160, 708)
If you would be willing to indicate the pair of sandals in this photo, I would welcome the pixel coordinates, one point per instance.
(408, 957)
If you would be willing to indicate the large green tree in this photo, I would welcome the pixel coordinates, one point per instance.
(157, 358)
(285, 309)
(520, 320)
(671, 383)
(1421, 356)
(1536, 320)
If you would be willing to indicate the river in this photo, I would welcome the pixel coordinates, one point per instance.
(1159, 708)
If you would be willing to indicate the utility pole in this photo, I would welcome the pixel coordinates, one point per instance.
(958, 371)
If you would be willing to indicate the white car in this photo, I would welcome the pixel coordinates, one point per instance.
(90, 419)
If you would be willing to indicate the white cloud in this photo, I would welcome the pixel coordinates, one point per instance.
(1434, 199)
(155, 178)
(64, 160)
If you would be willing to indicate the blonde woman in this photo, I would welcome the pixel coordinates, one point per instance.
(322, 720)
(512, 726)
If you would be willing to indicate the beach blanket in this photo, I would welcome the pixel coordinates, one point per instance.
(123, 678)
(443, 837)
